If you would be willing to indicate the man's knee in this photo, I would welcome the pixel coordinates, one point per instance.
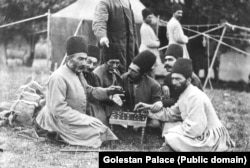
(170, 139)
(154, 123)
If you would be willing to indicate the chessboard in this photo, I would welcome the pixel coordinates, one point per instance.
(136, 119)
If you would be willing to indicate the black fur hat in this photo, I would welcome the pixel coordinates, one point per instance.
(183, 66)
(174, 50)
(94, 51)
(176, 7)
(145, 60)
(145, 12)
(111, 52)
(76, 44)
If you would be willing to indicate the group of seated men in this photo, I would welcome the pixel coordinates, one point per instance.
(80, 99)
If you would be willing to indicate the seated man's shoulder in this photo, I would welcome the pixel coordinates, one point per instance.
(57, 74)
(195, 77)
(124, 76)
(152, 80)
(94, 75)
(56, 77)
(99, 69)
(60, 75)
(196, 93)
(196, 81)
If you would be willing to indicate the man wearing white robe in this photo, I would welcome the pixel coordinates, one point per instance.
(150, 41)
(197, 126)
(175, 32)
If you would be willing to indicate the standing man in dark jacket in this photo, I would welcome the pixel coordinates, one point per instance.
(114, 23)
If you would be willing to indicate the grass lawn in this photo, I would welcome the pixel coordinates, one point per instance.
(233, 109)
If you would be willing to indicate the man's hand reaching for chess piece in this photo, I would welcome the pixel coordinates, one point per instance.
(154, 108)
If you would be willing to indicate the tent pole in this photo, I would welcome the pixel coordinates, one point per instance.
(238, 27)
(23, 21)
(215, 55)
(225, 44)
(202, 33)
(48, 41)
(208, 60)
(157, 25)
(192, 37)
(78, 27)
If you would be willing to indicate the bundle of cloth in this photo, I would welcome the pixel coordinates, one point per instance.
(22, 112)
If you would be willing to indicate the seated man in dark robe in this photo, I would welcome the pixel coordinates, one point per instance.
(109, 74)
(139, 87)
(94, 107)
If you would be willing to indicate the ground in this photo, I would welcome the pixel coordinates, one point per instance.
(232, 106)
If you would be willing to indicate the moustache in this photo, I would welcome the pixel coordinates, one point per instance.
(167, 66)
(83, 67)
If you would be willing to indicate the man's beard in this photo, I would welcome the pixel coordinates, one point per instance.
(180, 89)
(90, 69)
(81, 68)
(178, 18)
(76, 68)
(134, 80)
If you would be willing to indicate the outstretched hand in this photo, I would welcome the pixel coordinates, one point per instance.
(165, 91)
(114, 90)
(142, 106)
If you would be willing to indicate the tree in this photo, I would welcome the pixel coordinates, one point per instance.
(15, 10)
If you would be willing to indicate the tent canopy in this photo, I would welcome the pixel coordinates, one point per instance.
(64, 24)
(84, 9)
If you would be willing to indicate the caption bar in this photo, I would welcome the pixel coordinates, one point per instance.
(233, 159)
